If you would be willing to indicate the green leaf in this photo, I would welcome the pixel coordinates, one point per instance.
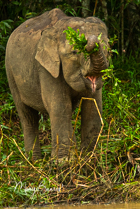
(15, 2)
(6, 24)
(115, 51)
(99, 37)
(2, 47)
(2, 126)
(10, 21)
(106, 70)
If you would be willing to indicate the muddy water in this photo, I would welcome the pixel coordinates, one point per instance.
(111, 206)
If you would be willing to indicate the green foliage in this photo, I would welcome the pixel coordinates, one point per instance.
(137, 2)
(20, 8)
(6, 98)
(5, 29)
(122, 125)
(68, 9)
(79, 42)
(72, 9)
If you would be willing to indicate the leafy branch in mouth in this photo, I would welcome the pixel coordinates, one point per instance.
(79, 42)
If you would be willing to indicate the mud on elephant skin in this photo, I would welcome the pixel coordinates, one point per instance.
(45, 75)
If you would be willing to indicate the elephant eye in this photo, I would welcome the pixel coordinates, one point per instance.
(74, 52)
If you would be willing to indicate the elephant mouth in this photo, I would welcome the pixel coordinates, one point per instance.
(95, 82)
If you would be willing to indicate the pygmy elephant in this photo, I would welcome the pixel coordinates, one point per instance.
(46, 75)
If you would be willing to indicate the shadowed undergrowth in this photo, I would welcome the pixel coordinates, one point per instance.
(110, 173)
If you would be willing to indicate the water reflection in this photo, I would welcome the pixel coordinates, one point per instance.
(111, 206)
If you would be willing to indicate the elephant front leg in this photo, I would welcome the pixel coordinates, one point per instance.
(61, 130)
(90, 121)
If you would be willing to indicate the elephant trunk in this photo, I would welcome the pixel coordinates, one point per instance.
(98, 59)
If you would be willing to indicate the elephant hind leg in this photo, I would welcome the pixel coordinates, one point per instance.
(29, 120)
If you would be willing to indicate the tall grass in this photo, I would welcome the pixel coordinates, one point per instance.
(109, 173)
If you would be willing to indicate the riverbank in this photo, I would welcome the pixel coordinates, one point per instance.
(89, 206)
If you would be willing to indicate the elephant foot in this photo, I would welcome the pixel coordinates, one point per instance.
(63, 155)
(64, 161)
(33, 156)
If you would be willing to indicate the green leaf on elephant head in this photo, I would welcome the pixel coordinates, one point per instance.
(99, 37)
(79, 41)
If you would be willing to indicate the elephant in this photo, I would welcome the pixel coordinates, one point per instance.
(46, 75)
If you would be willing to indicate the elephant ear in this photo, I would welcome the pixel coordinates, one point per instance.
(47, 52)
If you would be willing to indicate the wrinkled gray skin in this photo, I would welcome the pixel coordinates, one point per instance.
(46, 75)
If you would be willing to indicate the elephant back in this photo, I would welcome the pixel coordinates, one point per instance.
(46, 20)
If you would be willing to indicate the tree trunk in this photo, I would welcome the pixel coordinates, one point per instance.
(104, 9)
(95, 8)
(85, 8)
(122, 28)
(133, 39)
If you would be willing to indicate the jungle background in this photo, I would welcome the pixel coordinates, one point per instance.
(112, 171)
